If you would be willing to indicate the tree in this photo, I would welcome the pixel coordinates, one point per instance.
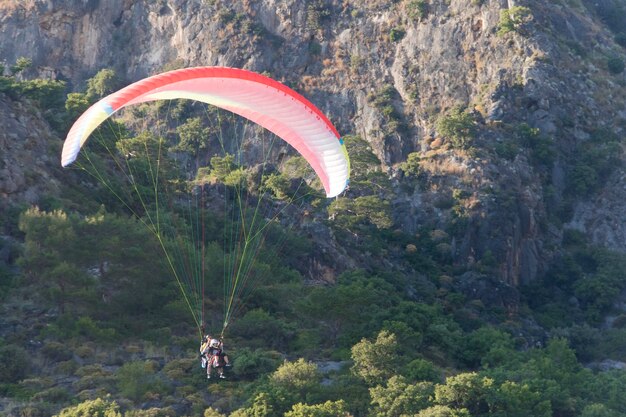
(599, 410)
(361, 211)
(193, 138)
(465, 391)
(327, 409)
(514, 19)
(401, 398)
(211, 412)
(458, 126)
(49, 260)
(517, 400)
(14, 364)
(375, 361)
(20, 65)
(443, 411)
(300, 376)
(103, 83)
(76, 104)
(92, 408)
(135, 379)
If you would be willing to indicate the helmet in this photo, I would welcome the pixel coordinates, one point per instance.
(214, 343)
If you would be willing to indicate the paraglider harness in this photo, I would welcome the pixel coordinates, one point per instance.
(212, 352)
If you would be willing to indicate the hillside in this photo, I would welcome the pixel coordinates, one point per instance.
(481, 241)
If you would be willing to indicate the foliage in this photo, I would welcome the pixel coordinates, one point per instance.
(348, 310)
(514, 19)
(396, 34)
(278, 185)
(301, 376)
(224, 169)
(443, 411)
(21, 64)
(593, 162)
(541, 147)
(327, 409)
(254, 363)
(375, 361)
(416, 9)
(615, 65)
(412, 167)
(401, 398)
(361, 211)
(193, 138)
(14, 363)
(317, 12)
(92, 408)
(76, 104)
(136, 379)
(459, 126)
(385, 98)
(104, 82)
(263, 329)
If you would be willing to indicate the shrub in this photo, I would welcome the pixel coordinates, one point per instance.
(56, 352)
(458, 126)
(278, 185)
(615, 65)
(262, 329)
(299, 375)
(411, 166)
(251, 364)
(422, 370)
(136, 379)
(14, 363)
(396, 34)
(92, 408)
(327, 409)
(416, 9)
(513, 19)
(53, 395)
(103, 83)
(21, 64)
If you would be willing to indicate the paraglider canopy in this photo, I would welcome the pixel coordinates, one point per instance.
(258, 98)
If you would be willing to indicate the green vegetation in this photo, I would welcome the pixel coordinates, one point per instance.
(416, 10)
(317, 12)
(459, 127)
(383, 100)
(615, 65)
(514, 20)
(101, 328)
(412, 166)
(396, 34)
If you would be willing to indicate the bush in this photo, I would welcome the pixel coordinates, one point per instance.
(14, 363)
(53, 395)
(615, 65)
(251, 364)
(422, 370)
(136, 379)
(513, 19)
(459, 126)
(396, 34)
(56, 352)
(92, 408)
(416, 9)
(260, 327)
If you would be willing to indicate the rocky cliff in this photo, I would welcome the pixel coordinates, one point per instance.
(386, 71)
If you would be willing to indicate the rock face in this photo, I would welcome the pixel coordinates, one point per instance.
(341, 54)
(25, 157)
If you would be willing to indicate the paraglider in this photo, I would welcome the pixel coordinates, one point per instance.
(255, 97)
